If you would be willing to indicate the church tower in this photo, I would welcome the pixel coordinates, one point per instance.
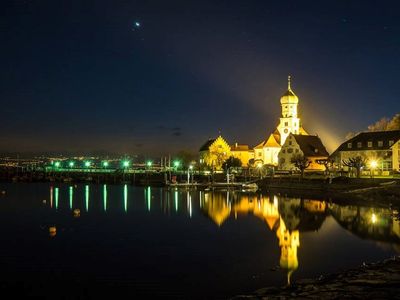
(289, 122)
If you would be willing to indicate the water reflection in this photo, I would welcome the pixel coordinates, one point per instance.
(287, 218)
(71, 196)
(87, 197)
(105, 197)
(126, 197)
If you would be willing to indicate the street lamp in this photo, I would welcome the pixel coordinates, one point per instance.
(149, 163)
(71, 164)
(125, 163)
(176, 163)
(105, 164)
(373, 164)
(188, 175)
(57, 164)
(87, 164)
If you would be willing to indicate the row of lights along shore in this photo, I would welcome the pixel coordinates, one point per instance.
(106, 164)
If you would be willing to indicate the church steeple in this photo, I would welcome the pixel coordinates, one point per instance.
(288, 83)
(289, 123)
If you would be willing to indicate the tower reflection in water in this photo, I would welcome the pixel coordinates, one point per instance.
(287, 217)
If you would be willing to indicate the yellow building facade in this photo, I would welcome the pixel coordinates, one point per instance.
(214, 153)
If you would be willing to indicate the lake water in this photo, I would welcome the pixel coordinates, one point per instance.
(91, 240)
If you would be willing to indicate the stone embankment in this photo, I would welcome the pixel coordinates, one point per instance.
(379, 280)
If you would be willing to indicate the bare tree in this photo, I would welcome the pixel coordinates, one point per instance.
(328, 163)
(300, 162)
(357, 162)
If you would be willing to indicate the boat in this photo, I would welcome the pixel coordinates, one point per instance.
(250, 186)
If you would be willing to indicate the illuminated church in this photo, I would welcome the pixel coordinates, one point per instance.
(267, 151)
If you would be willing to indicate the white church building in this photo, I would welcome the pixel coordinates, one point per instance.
(267, 151)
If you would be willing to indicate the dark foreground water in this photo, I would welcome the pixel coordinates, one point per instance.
(96, 240)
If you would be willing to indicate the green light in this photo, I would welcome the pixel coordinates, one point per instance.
(57, 164)
(87, 164)
(149, 163)
(71, 164)
(105, 164)
(126, 163)
(191, 167)
(176, 163)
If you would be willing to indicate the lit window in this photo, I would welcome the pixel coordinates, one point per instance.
(369, 144)
(380, 143)
(349, 145)
(359, 144)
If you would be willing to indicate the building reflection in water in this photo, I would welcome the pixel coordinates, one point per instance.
(287, 217)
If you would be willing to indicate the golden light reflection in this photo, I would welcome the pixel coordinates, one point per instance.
(51, 196)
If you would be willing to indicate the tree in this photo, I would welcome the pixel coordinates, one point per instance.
(357, 162)
(185, 157)
(386, 124)
(328, 163)
(300, 162)
(232, 162)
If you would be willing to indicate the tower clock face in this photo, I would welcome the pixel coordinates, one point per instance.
(285, 131)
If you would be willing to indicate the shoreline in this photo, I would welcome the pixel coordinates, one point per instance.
(379, 280)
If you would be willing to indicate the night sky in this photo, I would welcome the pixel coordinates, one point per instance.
(159, 76)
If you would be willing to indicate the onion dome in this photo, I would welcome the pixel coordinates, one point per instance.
(289, 97)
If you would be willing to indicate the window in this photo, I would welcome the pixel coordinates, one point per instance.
(369, 144)
(380, 143)
(290, 150)
(391, 143)
(283, 151)
(349, 145)
(290, 143)
(286, 124)
(259, 154)
(359, 144)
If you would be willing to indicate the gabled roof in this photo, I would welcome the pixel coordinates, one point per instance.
(374, 137)
(237, 147)
(207, 145)
(272, 141)
(310, 145)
